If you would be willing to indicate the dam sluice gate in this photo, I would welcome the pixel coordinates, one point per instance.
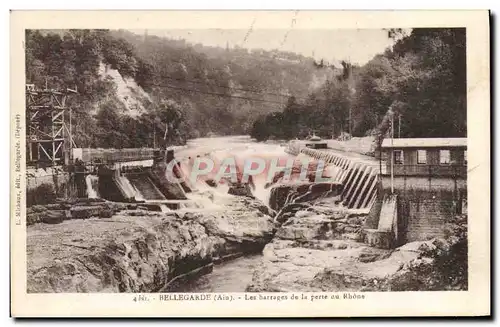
(125, 176)
(359, 179)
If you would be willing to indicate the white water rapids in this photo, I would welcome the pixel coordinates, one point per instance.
(91, 183)
(232, 276)
(217, 149)
(240, 148)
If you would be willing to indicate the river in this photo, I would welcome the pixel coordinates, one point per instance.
(230, 276)
(233, 275)
(240, 148)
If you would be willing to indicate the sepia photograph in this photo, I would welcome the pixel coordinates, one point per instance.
(258, 161)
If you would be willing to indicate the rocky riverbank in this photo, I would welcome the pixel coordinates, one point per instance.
(321, 249)
(305, 192)
(138, 250)
(99, 246)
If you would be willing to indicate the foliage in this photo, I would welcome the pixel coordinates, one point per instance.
(421, 79)
(42, 194)
(443, 266)
(193, 88)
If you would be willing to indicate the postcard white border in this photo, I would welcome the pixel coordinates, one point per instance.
(475, 301)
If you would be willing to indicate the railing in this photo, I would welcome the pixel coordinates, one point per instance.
(429, 170)
(116, 155)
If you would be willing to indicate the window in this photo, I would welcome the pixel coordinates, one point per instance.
(421, 157)
(444, 157)
(465, 157)
(398, 157)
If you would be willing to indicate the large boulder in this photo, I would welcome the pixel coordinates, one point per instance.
(240, 189)
(309, 224)
(33, 218)
(54, 216)
(289, 211)
(326, 266)
(85, 212)
(77, 208)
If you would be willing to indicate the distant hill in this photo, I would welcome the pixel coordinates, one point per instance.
(258, 74)
(131, 83)
(420, 83)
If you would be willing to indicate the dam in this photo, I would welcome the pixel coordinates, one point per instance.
(125, 176)
(138, 176)
(355, 187)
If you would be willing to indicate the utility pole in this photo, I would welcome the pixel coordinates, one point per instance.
(380, 158)
(392, 153)
(154, 136)
(333, 130)
(350, 118)
(70, 135)
(399, 126)
(350, 83)
(165, 135)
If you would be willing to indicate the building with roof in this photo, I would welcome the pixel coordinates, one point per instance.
(315, 142)
(423, 185)
(429, 157)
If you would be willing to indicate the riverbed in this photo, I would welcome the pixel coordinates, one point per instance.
(236, 274)
(159, 250)
(230, 276)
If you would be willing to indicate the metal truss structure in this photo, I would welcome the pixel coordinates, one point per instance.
(48, 137)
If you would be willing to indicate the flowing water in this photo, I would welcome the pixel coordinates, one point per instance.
(230, 276)
(235, 275)
(91, 182)
(145, 188)
(241, 148)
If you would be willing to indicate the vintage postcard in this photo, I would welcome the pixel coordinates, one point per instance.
(250, 163)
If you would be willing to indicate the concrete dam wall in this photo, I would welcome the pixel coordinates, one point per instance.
(359, 178)
(135, 185)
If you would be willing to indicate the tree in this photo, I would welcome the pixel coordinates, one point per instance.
(292, 116)
(432, 82)
(424, 74)
(108, 123)
(260, 130)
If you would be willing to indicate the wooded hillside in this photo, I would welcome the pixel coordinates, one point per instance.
(183, 90)
(191, 90)
(422, 79)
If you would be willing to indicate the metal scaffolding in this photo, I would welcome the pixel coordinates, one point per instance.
(48, 138)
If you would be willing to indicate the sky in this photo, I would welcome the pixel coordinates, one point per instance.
(355, 45)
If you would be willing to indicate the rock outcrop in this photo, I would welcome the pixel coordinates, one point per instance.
(241, 189)
(320, 249)
(78, 208)
(138, 250)
(305, 192)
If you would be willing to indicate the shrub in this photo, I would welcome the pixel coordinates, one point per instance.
(42, 194)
